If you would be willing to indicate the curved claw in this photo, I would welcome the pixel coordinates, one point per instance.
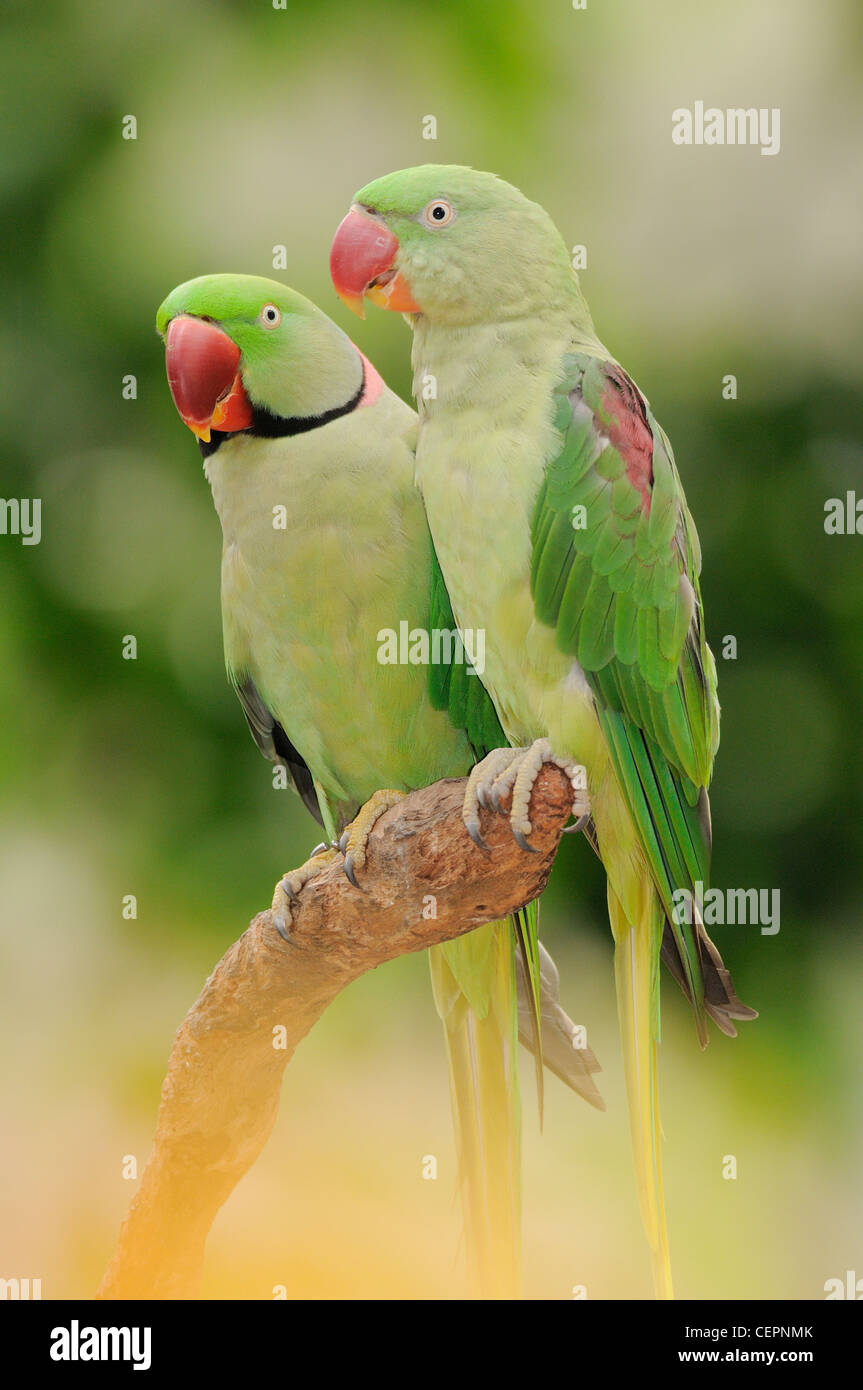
(289, 893)
(343, 842)
(279, 924)
(472, 829)
(349, 870)
(522, 842)
(579, 825)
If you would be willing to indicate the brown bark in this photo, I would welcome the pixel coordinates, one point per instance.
(220, 1096)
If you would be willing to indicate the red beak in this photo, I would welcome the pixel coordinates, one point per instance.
(204, 377)
(362, 265)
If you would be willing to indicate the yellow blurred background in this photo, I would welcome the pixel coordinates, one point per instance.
(254, 127)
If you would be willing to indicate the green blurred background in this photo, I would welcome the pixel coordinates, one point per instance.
(254, 128)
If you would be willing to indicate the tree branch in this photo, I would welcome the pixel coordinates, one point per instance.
(220, 1096)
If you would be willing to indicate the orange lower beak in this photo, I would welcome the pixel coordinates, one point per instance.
(362, 265)
(203, 366)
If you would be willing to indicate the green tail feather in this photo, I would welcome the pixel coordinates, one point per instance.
(474, 985)
(671, 836)
(526, 926)
(636, 970)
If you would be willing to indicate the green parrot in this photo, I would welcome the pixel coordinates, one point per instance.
(326, 548)
(561, 528)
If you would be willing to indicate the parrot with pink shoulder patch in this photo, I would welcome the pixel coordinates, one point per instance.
(562, 532)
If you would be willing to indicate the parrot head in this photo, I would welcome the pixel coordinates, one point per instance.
(450, 243)
(246, 353)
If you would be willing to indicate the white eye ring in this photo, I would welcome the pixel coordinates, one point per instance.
(270, 316)
(438, 213)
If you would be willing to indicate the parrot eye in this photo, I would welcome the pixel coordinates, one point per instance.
(270, 316)
(438, 213)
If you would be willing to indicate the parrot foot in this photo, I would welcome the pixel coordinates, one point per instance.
(288, 887)
(516, 770)
(355, 837)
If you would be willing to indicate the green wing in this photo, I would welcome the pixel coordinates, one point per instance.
(615, 564)
(471, 708)
(451, 687)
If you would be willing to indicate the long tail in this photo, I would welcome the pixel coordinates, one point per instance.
(474, 983)
(636, 970)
